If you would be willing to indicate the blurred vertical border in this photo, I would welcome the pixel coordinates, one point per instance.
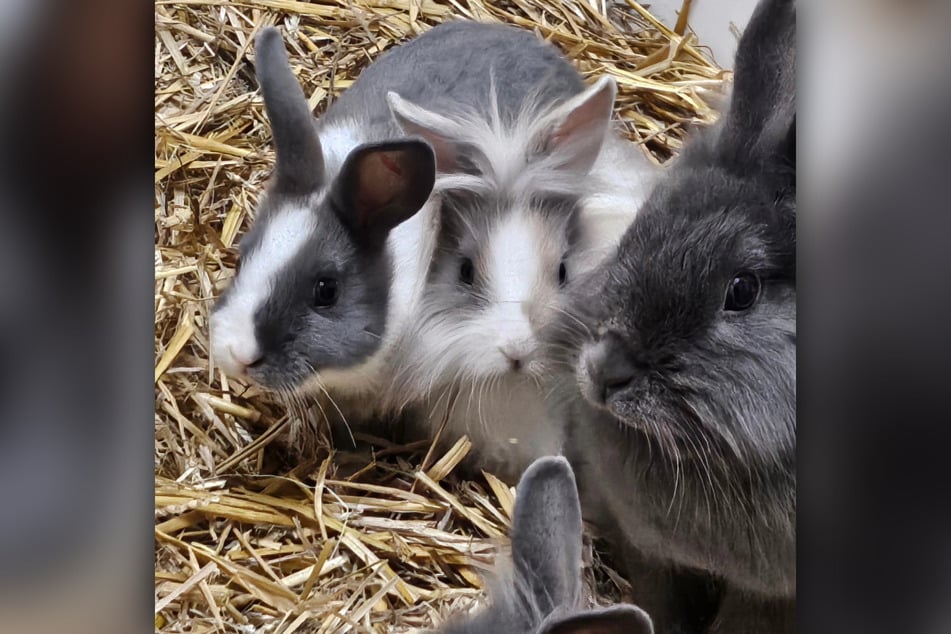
(75, 281)
(874, 429)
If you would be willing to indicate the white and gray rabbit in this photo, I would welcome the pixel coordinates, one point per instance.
(684, 442)
(337, 247)
(542, 594)
(534, 188)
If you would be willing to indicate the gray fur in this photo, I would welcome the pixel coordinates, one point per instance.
(448, 68)
(684, 443)
(543, 595)
(300, 164)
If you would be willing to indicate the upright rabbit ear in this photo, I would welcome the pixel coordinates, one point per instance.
(546, 534)
(441, 133)
(573, 133)
(762, 108)
(381, 185)
(621, 619)
(300, 161)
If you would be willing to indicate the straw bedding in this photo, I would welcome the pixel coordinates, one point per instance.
(249, 537)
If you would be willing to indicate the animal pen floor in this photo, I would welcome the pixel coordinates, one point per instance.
(247, 536)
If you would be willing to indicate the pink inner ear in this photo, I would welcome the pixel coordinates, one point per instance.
(416, 124)
(391, 165)
(445, 152)
(586, 116)
(562, 132)
(577, 127)
(381, 181)
(443, 148)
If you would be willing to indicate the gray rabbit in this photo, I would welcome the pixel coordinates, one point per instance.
(543, 594)
(683, 346)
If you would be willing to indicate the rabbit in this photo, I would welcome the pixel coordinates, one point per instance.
(531, 193)
(329, 264)
(681, 355)
(543, 593)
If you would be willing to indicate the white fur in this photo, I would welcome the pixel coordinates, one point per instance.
(620, 181)
(506, 421)
(337, 142)
(513, 264)
(233, 341)
(522, 262)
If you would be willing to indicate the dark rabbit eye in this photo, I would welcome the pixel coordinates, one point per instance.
(562, 274)
(325, 292)
(742, 291)
(466, 272)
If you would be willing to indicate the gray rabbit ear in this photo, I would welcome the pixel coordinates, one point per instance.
(573, 133)
(300, 161)
(441, 133)
(778, 144)
(381, 185)
(546, 534)
(762, 108)
(621, 619)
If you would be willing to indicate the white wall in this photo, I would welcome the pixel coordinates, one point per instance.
(710, 20)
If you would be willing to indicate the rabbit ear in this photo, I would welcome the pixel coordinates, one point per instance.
(300, 161)
(778, 142)
(762, 107)
(382, 184)
(546, 534)
(621, 619)
(574, 132)
(439, 131)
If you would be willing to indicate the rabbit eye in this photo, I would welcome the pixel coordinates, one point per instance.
(325, 292)
(466, 272)
(562, 274)
(742, 291)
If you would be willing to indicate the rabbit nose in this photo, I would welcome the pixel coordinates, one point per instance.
(516, 355)
(609, 369)
(614, 382)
